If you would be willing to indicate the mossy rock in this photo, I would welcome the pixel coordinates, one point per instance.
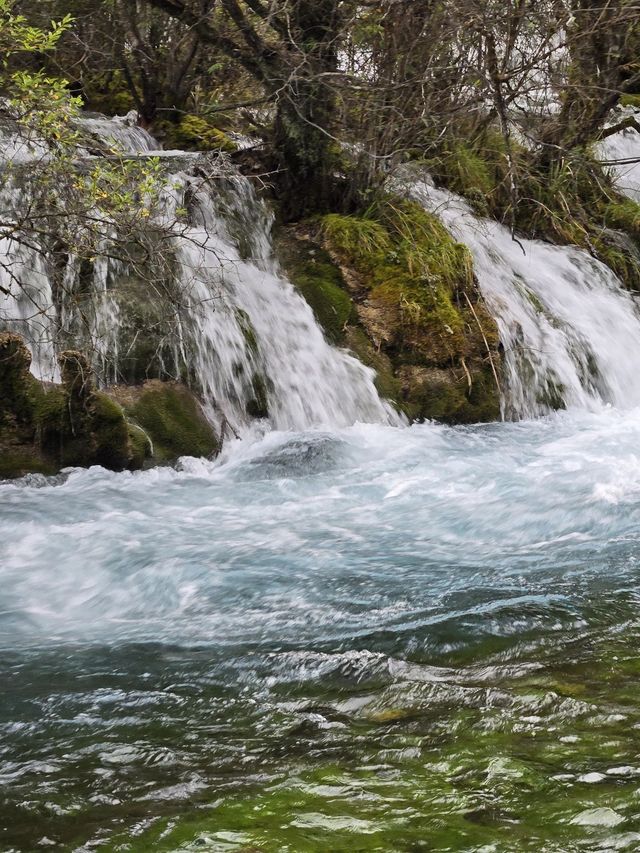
(421, 310)
(141, 446)
(171, 417)
(110, 434)
(387, 383)
(258, 405)
(16, 461)
(319, 281)
(415, 274)
(393, 287)
(43, 429)
(441, 395)
(194, 133)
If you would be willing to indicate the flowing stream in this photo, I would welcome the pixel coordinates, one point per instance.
(571, 333)
(232, 320)
(345, 635)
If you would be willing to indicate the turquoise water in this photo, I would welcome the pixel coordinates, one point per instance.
(371, 639)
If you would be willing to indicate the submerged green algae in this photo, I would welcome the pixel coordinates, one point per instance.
(489, 750)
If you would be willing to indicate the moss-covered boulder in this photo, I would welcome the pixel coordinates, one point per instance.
(169, 418)
(319, 280)
(194, 133)
(396, 289)
(45, 428)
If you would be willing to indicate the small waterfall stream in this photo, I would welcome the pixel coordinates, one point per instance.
(232, 322)
(570, 331)
(241, 333)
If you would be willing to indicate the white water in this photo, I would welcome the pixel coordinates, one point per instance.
(309, 383)
(236, 323)
(569, 329)
(306, 537)
(622, 152)
(570, 332)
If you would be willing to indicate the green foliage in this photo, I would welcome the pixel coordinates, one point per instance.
(356, 237)
(98, 197)
(18, 36)
(194, 133)
(623, 213)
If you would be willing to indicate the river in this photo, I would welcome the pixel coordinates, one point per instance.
(367, 639)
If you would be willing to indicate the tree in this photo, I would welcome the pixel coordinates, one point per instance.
(59, 204)
(291, 49)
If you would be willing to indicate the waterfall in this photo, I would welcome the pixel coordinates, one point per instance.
(571, 333)
(217, 309)
(622, 152)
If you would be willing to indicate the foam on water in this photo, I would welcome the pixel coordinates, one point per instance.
(309, 537)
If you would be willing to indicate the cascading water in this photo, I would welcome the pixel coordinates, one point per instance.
(233, 322)
(247, 324)
(364, 639)
(571, 333)
(621, 151)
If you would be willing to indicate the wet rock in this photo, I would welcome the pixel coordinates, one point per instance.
(427, 334)
(169, 419)
(44, 428)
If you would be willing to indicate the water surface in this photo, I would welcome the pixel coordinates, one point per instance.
(370, 639)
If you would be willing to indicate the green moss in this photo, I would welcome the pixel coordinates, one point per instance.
(45, 429)
(320, 282)
(258, 406)
(194, 133)
(441, 395)
(423, 306)
(141, 446)
(623, 214)
(415, 271)
(247, 329)
(396, 289)
(630, 101)
(18, 461)
(173, 420)
(357, 238)
(110, 434)
(387, 384)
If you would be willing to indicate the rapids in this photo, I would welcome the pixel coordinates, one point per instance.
(368, 638)
(353, 637)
